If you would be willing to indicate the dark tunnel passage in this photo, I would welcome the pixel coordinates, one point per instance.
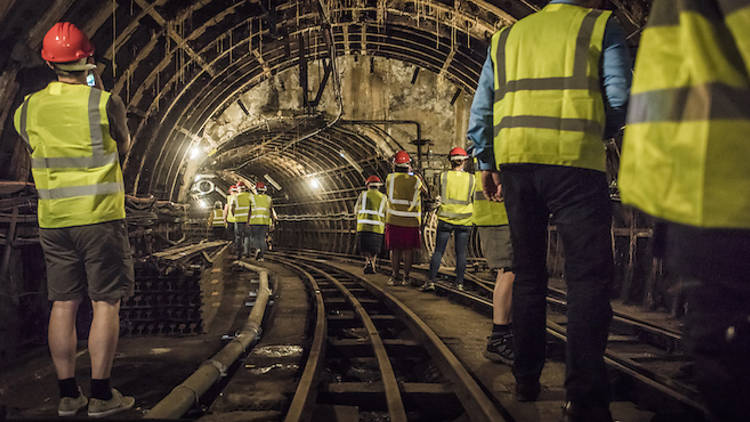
(309, 97)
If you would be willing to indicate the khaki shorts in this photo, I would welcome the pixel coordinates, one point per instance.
(496, 246)
(94, 260)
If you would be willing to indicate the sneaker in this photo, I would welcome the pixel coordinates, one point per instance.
(460, 286)
(394, 281)
(69, 406)
(406, 280)
(260, 259)
(118, 403)
(500, 348)
(368, 269)
(428, 286)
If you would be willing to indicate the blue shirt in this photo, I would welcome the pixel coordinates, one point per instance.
(617, 77)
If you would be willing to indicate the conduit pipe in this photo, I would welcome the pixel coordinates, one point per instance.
(185, 395)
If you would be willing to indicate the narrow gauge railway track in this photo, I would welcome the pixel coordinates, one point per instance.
(651, 356)
(370, 352)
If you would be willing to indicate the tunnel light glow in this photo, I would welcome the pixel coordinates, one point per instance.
(350, 160)
(196, 151)
(314, 183)
(203, 204)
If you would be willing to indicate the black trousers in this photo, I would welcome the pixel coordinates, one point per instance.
(578, 200)
(715, 269)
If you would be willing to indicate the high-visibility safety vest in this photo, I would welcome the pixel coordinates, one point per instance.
(217, 218)
(404, 201)
(487, 213)
(371, 211)
(261, 211)
(232, 200)
(242, 207)
(686, 148)
(74, 159)
(548, 106)
(456, 197)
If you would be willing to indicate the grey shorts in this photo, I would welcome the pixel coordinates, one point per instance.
(496, 246)
(94, 260)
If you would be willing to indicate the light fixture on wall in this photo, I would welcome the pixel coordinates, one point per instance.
(351, 161)
(272, 181)
(314, 183)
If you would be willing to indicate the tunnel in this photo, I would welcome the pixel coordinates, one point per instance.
(309, 97)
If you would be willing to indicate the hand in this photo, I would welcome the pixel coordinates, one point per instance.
(491, 185)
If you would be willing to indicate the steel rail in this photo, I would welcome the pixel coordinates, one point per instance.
(394, 401)
(476, 403)
(300, 410)
(680, 392)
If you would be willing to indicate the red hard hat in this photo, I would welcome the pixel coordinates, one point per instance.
(458, 153)
(64, 43)
(240, 183)
(260, 186)
(373, 179)
(402, 157)
(231, 188)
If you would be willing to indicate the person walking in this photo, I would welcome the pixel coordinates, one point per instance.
(491, 220)
(229, 218)
(555, 84)
(260, 219)
(454, 216)
(77, 135)
(241, 212)
(370, 211)
(216, 224)
(403, 216)
(684, 162)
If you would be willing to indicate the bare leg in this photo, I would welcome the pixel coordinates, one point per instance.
(105, 331)
(62, 337)
(408, 260)
(502, 297)
(396, 262)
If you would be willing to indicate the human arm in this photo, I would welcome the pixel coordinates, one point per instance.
(617, 76)
(118, 125)
(480, 131)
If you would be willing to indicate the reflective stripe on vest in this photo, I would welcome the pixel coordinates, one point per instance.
(218, 218)
(456, 197)
(230, 201)
(371, 211)
(242, 207)
(260, 214)
(551, 113)
(73, 156)
(686, 145)
(404, 202)
(486, 212)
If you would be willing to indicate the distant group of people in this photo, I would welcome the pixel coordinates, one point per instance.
(246, 218)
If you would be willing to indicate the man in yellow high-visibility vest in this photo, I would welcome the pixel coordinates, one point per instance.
(454, 216)
(685, 162)
(216, 224)
(539, 116)
(261, 219)
(370, 212)
(77, 135)
(240, 209)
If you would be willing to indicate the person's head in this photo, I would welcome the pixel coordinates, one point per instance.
(68, 51)
(260, 187)
(241, 186)
(373, 182)
(217, 205)
(402, 161)
(458, 158)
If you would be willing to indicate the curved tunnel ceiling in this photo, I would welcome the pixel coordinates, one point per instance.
(178, 64)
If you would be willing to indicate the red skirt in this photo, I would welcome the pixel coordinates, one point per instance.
(398, 237)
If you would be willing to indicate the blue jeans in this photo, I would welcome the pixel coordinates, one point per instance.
(242, 239)
(444, 231)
